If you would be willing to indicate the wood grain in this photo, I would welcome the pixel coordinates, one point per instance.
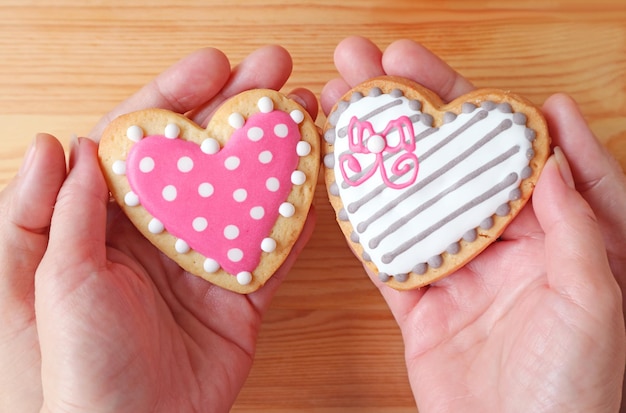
(328, 343)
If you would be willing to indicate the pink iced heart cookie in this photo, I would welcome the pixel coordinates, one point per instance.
(226, 203)
(421, 187)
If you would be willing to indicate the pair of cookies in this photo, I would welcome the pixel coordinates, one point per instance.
(419, 187)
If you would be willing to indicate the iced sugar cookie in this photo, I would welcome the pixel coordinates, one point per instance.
(421, 187)
(227, 202)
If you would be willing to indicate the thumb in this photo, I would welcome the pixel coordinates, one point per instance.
(78, 226)
(576, 258)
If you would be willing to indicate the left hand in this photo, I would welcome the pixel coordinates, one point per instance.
(95, 319)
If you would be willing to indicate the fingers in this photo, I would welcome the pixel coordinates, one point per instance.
(577, 263)
(357, 59)
(26, 207)
(411, 60)
(77, 231)
(266, 68)
(191, 82)
(597, 174)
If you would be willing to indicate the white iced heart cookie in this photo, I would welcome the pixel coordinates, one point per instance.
(228, 202)
(421, 187)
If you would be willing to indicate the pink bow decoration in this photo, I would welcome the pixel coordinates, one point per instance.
(362, 139)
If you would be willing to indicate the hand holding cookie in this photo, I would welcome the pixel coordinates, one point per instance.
(116, 324)
(490, 336)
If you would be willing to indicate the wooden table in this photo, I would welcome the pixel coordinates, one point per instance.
(328, 343)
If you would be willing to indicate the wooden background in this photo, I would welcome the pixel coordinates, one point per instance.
(328, 343)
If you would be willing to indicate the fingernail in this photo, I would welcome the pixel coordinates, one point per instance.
(298, 100)
(73, 149)
(564, 168)
(28, 157)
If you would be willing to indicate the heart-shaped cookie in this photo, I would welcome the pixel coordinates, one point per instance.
(421, 187)
(227, 202)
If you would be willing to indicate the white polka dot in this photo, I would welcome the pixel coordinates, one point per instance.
(255, 134)
(181, 246)
(266, 157)
(232, 162)
(210, 265)
(286, 209)
(134, 133)
(272, 184)
(155, 226)
(235, 254)
(119, 168)
(172, 131)
(131, 199)
(240, 195)
(236, 120)
(146, 164)
(185, 164)
(298, 177)
(257, 212)
(205, 190)
(244, 278)
(268, 245)
(303, 148)
(231, 232)
(266, 105)
(210, 146)
(281, 130)
(297, 116)
(169, 193)
(199, 224)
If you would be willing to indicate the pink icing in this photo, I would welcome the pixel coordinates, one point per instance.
(222, 205)
(361, 138)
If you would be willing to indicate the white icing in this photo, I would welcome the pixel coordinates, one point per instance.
(244, 278)
(236, 120)
(232, 162)
(184, 164)
(169, 193)
(131, 199)
(257, 212)
(266, 105)
(199, 224)
(134, 133)
(450, 232)
(235, 254)
(297, 116)
(281, 130)
(210, 265)
(268, 245)
(266, 157)
(298, 177)
(231, 232)
(240, 195)
(205, 189)
(119, 168)
(272, 184)
(210, 146)
(255, 134)
(287, 209)
(172, 131)
(155, 226)
(181, 246)
(303, 148)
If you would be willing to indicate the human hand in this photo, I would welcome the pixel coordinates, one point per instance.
(95, 319)
(535, 322)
